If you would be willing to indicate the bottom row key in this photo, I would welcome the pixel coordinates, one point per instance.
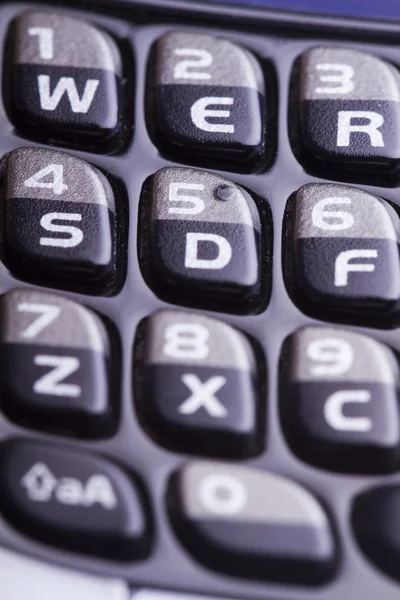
(233, 519)
(251, 523)
(76, 501)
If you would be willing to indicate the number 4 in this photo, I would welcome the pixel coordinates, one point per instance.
(57, 185)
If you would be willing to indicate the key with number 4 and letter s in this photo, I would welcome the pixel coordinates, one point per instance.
(60, 215)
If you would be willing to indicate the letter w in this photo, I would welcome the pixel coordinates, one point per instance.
(50, 101)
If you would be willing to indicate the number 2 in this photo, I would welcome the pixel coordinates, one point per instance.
(200, 59)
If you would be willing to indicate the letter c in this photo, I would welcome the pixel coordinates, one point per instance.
(333, 411)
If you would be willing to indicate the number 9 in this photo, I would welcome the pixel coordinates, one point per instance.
(335, 357)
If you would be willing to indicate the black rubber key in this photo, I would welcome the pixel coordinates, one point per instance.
(376, 522)
(196, 386)
(72, 500)
(60, 221)
(209, 100)
(339, 401)
(64, 80)
(55, 365)
(252, 523)
(345, 253)
(204, 240)
(349, 112)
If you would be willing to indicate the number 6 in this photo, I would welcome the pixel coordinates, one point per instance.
(320, 216)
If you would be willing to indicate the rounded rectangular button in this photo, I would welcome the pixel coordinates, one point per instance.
(204, 243)
(73, 500)
(252, 523)
(209, 101)
(64, 81)
(61, 222)
(343, 262)
(56, 363)
(349, 114)
(339, 403)
(196, 386)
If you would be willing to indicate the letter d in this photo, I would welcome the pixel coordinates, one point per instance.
(192, 248)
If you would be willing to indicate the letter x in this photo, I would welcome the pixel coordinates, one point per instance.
(203, 394)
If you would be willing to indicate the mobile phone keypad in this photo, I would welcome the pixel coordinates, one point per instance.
(194, 323)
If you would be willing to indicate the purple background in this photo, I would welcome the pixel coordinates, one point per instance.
(384, 9)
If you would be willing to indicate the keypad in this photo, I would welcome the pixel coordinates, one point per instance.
(77, 501)
(248, 522)
(208, 100)
(204, 240)
(60, 221)
(349, 111)
(55, 364)
(64, 80)
(345, 254)
(340, 401)
(198, 388)
(199, 262)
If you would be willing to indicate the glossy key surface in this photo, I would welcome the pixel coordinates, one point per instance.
(252, 523)
(205, 241)
(60, 221)
(209, 100)
(64, 80)
(345, 254)
(349, 111)
(197, 388)
(56, 366)
(339, 401)
(73, 500)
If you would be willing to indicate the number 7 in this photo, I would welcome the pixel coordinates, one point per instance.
(48, 313)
